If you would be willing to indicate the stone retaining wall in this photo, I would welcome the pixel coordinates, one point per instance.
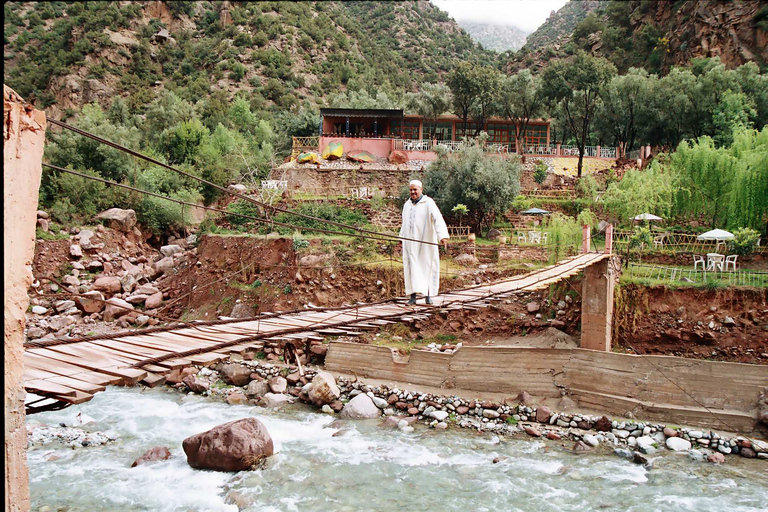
(603, 381)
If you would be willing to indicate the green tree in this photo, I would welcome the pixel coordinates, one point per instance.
(486, 185)
(639, 192)
(624, 103)
(487, 82)
(464, 90)
(180, 143)
(521, 101)
(576, 84)
(735, 111)
(430, 102)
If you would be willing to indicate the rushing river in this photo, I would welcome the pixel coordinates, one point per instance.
(362, 467)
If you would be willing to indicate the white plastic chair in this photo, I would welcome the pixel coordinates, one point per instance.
(699, 259)
(658, 241)
(544, 237)
(521, 237)
(731, 261)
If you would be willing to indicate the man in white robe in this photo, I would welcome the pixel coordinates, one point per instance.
(422, 220)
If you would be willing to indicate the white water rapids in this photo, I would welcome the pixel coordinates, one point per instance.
(363, 467)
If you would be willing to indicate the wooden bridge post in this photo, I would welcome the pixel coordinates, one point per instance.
(24, 135)
(609, 239)
(597, 306)
(585, 236)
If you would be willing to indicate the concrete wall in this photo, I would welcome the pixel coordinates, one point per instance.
(600, 381)
(23, 138)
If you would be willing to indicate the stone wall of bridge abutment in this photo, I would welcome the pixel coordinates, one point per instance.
(602, 382)
(24, 130)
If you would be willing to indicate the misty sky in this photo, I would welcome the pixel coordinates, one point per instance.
(524, 14)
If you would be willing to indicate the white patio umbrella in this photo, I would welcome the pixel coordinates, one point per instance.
(647, 216)
(716, 234)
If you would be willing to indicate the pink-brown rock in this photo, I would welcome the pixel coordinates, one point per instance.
(153, 454)
(237, 398)
(234, 446)
(531, 431)
(278, 384)
(109, 284)
(115, 308)
(670, 432)
(398, 157)
(153, 301)
(543, 414)
(323, 389)
(194, 384)
(716, 458)
(90, 302)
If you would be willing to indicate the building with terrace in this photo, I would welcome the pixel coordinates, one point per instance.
(381, 131)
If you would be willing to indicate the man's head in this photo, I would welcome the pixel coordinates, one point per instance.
(415, 187)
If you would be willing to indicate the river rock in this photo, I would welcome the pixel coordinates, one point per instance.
(489, 413)
(379, 402)
(716, 458)
(533, 307)
(234, 446)
(278, 384)
(235, 374)
(75, 251)
(747, 452)
(115, 308)
(194, 384)
(237, 398)
(360, 407)
(39, 310)
(669, 432)
(257, 389)
(438, 415)
(116, 218)
(275, 400)
(623, 453)
(63, 305)
(645, 444)
(323, 389)
(603, 424)
(543, 414)
(678, 444)
(128, 282)
(153, 454)
(591, 440)
(531, 431)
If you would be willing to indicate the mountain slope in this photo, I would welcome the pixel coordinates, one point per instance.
(62, 55)
(651, 35)
(495, 37)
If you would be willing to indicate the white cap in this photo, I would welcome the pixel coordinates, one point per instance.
(416, 182)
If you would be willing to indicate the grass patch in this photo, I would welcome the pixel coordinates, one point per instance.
(50, 235)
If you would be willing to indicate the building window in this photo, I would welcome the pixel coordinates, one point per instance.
(442, 130)
(460, 130)
(536, 135)
(409, 129)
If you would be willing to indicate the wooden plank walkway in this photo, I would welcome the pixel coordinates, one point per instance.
(69, 373)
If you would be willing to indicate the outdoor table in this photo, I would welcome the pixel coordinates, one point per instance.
(715, 261)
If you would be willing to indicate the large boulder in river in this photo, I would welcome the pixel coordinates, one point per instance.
(116, 218)
(234, 446)
(323, 389)
(360, 408)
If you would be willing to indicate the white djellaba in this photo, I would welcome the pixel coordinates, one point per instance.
(421, 262)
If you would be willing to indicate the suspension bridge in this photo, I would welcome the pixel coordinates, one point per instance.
(61, 372)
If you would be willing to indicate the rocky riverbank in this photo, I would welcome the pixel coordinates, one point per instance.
(269, 385)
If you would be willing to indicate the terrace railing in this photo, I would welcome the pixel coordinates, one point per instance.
(609, 152)
(683, 242)
(549, 194)
(302, 144)
(633, 155)
(691, 275)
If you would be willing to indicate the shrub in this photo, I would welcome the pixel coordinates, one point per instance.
(744, 241)
(242, 207)
(521, 203)
(540, 173)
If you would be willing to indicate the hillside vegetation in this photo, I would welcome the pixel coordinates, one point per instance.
(495, 37)
(652, 35)
(68, 54)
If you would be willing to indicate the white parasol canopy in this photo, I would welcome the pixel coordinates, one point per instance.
(647, 216)
(716, 234)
